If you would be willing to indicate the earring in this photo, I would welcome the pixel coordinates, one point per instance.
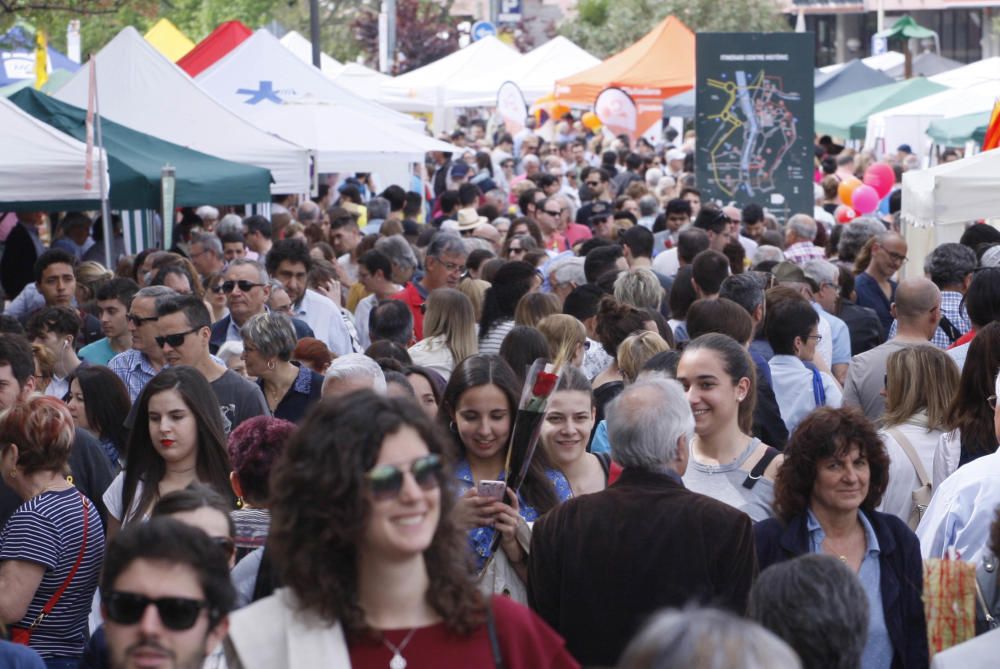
(452, 426)
(270, 364)
(12, 473)
(239, 503)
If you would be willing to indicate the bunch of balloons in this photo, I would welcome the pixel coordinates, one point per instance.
(863, 196)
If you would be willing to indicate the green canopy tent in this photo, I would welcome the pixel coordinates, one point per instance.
(56, 80)
(135, 162)
(958, 130)
(847, 115)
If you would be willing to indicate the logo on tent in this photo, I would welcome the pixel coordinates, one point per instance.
(265, 92)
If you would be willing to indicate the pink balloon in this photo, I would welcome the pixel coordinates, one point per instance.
(865, 199)
(881, 177)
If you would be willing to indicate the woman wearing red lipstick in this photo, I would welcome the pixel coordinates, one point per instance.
(176, 439)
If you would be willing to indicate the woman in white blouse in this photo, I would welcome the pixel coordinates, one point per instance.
(449, 332)
(920, 383)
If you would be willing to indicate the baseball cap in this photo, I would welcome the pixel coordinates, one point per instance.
(459, 169)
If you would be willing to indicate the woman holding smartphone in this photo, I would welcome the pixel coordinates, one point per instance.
(479, 406)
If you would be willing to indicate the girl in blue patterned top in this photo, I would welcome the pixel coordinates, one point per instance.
(98, 400)
(479, 406)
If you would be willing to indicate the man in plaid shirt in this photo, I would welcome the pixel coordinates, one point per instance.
(950, 267)
(799, 247)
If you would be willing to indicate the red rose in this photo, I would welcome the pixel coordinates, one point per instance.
(544, 384)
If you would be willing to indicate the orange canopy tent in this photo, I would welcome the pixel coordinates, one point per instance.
(658, 66)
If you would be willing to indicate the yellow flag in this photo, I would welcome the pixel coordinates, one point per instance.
(41, 59)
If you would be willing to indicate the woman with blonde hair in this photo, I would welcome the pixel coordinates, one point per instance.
(636, 350)
(533, 307)
(567, 339)
(475, 290)
(920, 384)
(89, 275)
(449, 332)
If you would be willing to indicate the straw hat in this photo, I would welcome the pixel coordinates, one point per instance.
(468, 219)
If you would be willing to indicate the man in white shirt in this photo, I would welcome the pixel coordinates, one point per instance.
(289, 262)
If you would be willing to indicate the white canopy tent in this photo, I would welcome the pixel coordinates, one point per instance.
(907, 123)
(882, 62)
(938, 202)
(439, 84)
(535, 73)
(41, 164)
(260, 72)
(141, 89)
(969, 75)
(302, 48)
(347, 133)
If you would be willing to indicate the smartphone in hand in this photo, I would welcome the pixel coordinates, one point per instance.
(492, 489)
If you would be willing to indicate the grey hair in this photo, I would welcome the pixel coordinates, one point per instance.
(706, 639)
(949, 264)
(247, 262)
(803, 226)
(821, 271)
(378, 208)
(566, 204)
(640, 288)
(272, 333)
(767, 253)
(531, 158)
(653, 176)
(648, 205)
(818, 606)
(476, 244)
(445, 243)
(856, 234)
(207, 211)
(354, 365)
(308, 212)
(229, 350)
(155, 292)
(645, 423)
(568, 270)
(209, 242)
(229, 223)
(398, 250)
(744, 289)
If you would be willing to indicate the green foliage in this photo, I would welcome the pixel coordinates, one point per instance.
(604, 29)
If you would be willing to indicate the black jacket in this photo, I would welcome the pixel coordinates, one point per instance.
(901, 574)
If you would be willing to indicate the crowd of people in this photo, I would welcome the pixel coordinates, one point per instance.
(284, 442)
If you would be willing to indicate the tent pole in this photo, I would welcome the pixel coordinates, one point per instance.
(314, 31)
(105, 207)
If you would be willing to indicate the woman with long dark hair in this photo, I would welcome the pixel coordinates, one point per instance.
(98, 401)
(367, 546)
(512, 282)
(177, 438)
(479, 407)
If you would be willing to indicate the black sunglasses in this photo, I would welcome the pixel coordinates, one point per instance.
(175, 339)
(217, 289)
(245, 286)
(139, 320)
(386, 481)
(176, 613)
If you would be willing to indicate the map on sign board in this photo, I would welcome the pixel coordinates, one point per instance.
(754, 106)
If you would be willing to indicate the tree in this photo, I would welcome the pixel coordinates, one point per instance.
(603, 27)
(425, 32)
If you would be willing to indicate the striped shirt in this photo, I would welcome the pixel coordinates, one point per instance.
(48, 530)
(135, 369)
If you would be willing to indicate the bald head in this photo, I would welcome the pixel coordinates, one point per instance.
(916, 298)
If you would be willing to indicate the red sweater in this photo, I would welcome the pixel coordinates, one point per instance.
(526, 642)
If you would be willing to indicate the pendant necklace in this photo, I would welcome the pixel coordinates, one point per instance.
(398, 661)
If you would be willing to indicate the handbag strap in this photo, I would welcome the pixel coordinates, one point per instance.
(819, 392)
(54, 599)
(758, 469)
(491, 630)
(991, 622)
(949, 329)
(911, 453)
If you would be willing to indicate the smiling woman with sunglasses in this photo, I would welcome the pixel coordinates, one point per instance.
(374, 565)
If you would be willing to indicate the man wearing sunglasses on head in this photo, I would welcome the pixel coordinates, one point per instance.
(247, 289)
(165, 597)
(184, 331)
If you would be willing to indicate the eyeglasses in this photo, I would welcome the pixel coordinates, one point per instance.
(897, 257)
(176, 613)
(245, 286)
(515, 249)
(817, 337)
(139, 320)
(217, 289)
(175, 339)
(992, 401)
(450, 266)
(386, 481)
(557, 212)
(594, 184)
